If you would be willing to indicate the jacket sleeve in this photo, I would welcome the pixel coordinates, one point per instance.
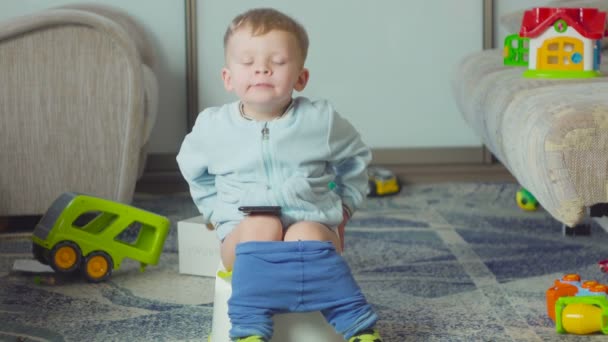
(193, 164)
(349, 160)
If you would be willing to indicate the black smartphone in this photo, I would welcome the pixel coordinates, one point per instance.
(261, 210)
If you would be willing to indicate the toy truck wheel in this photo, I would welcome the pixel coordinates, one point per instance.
(97, 267)
(40, 253)
(65, 257)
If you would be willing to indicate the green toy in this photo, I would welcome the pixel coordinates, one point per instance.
(525, 200)
(515, 52)
(93, 234)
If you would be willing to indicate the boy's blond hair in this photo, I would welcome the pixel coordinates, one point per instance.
(264, 20)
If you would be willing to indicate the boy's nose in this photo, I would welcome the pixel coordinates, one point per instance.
(262, 69)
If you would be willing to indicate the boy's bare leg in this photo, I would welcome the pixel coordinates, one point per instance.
(308, 230)
(252, 228)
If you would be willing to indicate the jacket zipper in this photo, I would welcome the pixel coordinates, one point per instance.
(269, 166)
(266, 155)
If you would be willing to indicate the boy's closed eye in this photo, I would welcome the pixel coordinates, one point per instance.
(278, 59)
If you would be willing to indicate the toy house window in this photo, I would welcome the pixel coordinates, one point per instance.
(552, 60)
(516, 50)
(94, 222)
(553, 47)
(520, 44)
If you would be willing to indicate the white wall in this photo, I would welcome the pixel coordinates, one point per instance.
(387, 68)
(385, 65)
(164, 21)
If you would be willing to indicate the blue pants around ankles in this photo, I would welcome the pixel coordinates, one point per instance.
(294, 276)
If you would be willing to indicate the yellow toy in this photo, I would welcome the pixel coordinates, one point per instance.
(577, 307)
(382, 182)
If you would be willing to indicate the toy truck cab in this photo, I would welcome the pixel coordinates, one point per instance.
(382, 182)
(95, 235)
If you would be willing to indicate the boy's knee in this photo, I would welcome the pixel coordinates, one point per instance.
(251, 228)
(260, 228)
(307, 231)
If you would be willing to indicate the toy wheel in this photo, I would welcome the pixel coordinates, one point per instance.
(40, 253)
(65, 257)
(525, 200)
(97, 267)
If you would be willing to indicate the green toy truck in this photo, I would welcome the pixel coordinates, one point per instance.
(94, 235)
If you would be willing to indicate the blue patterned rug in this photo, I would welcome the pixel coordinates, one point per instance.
(442, 262)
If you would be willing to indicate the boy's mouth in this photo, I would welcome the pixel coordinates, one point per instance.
(262, 85)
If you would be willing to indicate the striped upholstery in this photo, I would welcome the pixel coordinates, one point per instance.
(552, 135)
(77, 105)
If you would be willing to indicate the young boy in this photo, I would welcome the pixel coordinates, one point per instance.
(269, 149)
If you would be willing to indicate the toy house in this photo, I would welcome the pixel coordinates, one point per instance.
(558, 42)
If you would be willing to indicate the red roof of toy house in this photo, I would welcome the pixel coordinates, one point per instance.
(589, 22)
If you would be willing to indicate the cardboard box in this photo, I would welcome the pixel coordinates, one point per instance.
(198, 248)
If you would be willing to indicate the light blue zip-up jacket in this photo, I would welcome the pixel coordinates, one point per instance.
(231, 161)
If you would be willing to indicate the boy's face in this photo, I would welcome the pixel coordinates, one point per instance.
(264, 70)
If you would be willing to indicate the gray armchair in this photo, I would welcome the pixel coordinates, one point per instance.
(78, 100)
(552, 134)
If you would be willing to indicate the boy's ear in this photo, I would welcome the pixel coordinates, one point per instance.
(302, 80)
(227, 78)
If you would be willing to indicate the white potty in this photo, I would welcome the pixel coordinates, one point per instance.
(290, 327)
